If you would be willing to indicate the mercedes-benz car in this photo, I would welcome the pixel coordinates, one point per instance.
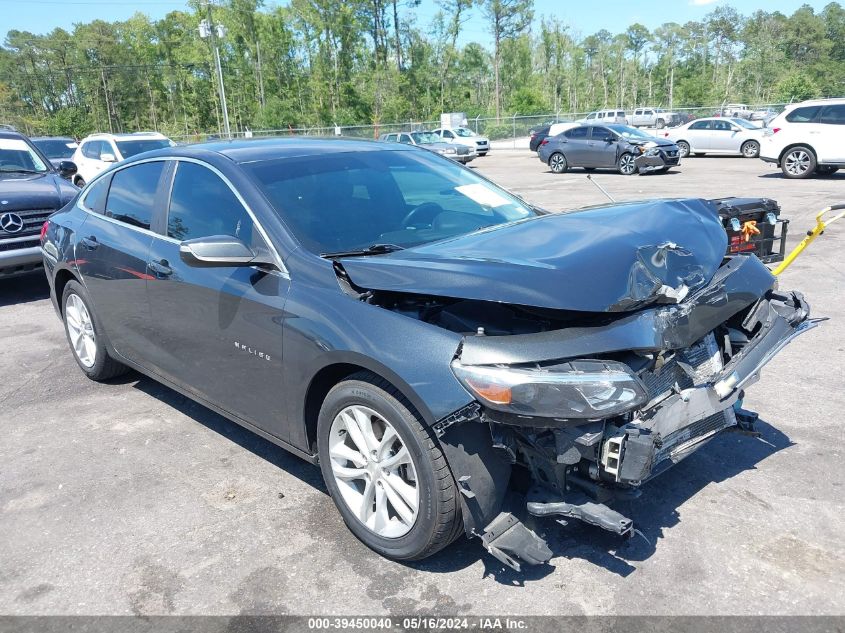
(437, 345)
(31, 188)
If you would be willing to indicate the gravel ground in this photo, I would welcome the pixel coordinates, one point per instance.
(127, 498)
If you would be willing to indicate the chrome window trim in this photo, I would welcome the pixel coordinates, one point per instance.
(84, 194)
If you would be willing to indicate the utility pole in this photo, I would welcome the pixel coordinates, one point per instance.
(207, 29)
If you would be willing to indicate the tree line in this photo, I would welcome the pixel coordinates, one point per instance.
(344, 62)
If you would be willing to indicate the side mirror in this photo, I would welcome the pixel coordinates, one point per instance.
(108, 157)
(609, 139)
(218, 251)
(67, 168)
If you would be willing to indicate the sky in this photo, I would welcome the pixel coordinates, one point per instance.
(42, 16)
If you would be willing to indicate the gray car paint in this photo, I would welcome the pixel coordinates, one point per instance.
(313, 329)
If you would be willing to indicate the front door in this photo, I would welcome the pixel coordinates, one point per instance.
(602, 153)
(112, 251)
(219, 330)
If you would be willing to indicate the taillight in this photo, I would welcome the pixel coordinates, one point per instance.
(44, 231)
(775, 130)
(545, 141)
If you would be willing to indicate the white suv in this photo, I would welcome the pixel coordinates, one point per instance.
(807, 138)
(99, 151)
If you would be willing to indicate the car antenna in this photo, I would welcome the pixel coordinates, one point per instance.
(602, 189)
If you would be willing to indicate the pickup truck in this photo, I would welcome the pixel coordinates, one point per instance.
(654, 117)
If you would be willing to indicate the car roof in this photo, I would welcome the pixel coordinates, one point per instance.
(52, 138)
(122, 136)
(263, 149)
(11, 134)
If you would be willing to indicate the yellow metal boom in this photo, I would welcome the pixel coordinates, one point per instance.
(817, 230)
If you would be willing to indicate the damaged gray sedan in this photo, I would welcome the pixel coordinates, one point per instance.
(436, 344)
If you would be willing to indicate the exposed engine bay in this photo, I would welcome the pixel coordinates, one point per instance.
(582, 406)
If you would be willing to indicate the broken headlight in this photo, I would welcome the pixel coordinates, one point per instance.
(588, 389)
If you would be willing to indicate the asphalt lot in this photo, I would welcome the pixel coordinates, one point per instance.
(128, 498)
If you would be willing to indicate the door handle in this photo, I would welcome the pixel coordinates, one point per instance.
(89, 243)
(161, 268)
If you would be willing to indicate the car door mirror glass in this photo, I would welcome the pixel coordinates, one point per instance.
(218, 251)
(67, 168)
(108, 157)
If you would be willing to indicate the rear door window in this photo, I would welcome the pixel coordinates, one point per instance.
(577, 133)
(95, 199)
(132, 194)
(700, 125)
(833, 115)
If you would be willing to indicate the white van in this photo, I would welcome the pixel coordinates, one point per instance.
(606, 116)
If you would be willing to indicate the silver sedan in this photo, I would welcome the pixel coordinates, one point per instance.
(717, 135)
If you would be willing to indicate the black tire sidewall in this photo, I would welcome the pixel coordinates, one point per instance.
(813, 162)
(417, 540)
(681, 145)
(99, 367)
(751, 143)
(565, 163)
(619, 165)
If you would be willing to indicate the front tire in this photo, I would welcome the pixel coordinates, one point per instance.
(798, 162)
(384, 471)
(85, 336)
(750, 149)
(557, 163)
(683, 148)
(627, 165)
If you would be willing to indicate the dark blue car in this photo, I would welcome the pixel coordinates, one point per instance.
(436, 344)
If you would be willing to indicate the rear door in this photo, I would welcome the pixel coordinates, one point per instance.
(218, 330)
(574, 144)
(830, 143)
(112, 250)
(698, 135)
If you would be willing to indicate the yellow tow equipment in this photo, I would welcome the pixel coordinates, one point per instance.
(817, 230)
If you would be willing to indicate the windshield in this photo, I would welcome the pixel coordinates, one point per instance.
(745, 124)
(631, 133)
(133, 147)
(422, 138)
(353, 200)
(462, 131)
(56, 148)
(17, 156)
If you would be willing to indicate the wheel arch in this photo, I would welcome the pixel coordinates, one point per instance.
(339, 368)
(61, 280)
(793, 146)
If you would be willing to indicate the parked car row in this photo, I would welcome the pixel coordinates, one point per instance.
(431, 141)
(807, 138)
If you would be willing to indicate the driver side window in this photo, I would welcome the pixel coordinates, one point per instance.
(202, 205)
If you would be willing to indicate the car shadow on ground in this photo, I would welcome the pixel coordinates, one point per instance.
(23, 289)
(243, 437)
(840, 175)
(656, 511)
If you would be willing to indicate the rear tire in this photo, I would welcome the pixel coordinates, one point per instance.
(798, 162)
(557, 163)
(359, 483)
(750, 149)
(85, 336)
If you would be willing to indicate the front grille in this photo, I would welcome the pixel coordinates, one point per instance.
(32, 221)
(672, 152)
(691, 367)
(13, 246)
(481, 143)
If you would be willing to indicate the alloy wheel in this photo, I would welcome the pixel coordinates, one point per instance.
(557, 163)
(751, 149)
(374, 471)
(80, 328)
(627, 166)
(797, 162)
(683, 148)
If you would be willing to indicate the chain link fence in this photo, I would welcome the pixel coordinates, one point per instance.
(506, 132)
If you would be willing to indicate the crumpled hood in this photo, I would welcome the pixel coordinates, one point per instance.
(42, 191)
(606, 259)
